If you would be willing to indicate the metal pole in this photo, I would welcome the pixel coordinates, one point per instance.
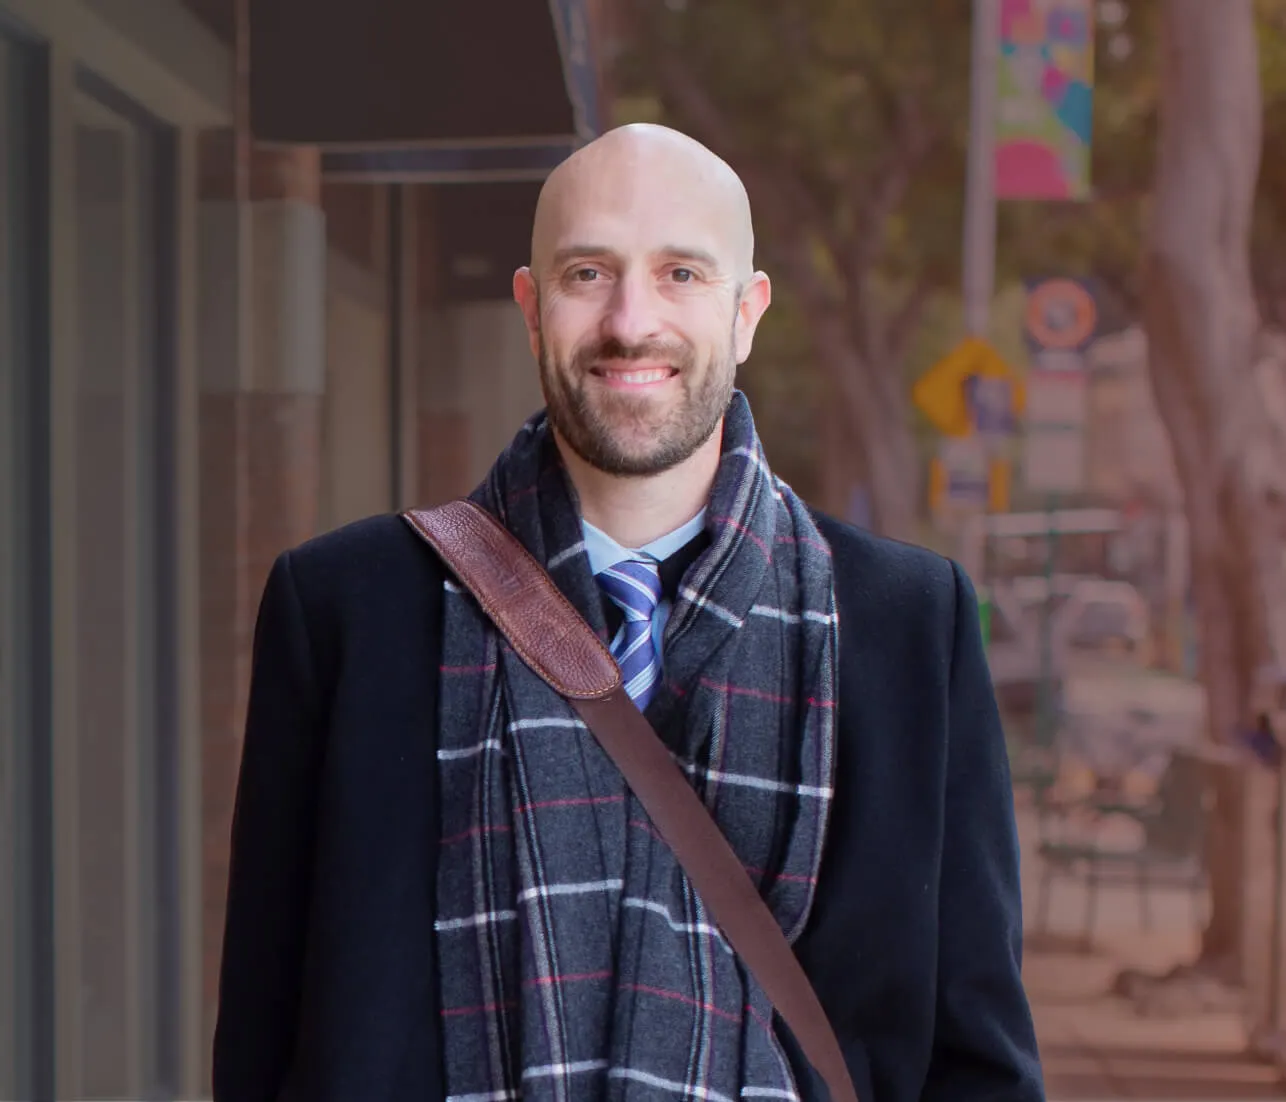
(1046, 704)
(978, 276)
(1275, 1022)
(979, 262)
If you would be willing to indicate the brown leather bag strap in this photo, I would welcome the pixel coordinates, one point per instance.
(555, 641)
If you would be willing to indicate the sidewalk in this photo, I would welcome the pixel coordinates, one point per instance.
(1095, 1044)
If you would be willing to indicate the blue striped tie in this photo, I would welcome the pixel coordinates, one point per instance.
(635, 587)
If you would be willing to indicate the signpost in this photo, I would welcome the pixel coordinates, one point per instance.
(1060, 322)
(973, 397)
(1054, 440)
(1030, 82)
(943, 392)
(979, 275)
(992, 403)
(965, 472)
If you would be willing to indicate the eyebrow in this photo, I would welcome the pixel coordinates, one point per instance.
(678, 252)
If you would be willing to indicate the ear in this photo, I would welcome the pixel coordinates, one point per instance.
(527, 296)
(755, 297)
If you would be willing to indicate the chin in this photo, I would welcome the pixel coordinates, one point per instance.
(641, 457)
(643, 403)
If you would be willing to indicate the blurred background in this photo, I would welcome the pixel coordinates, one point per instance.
(1029, 260)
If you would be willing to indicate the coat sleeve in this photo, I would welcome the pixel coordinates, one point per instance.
(271, 851)
(984, 1040)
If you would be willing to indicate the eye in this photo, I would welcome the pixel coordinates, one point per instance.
(585, 275)
(683, 275)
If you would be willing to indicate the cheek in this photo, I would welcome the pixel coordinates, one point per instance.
(567, 325)
(721, 334)
(713, 319)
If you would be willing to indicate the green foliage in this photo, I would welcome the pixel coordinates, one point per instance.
(787, 396)
(1268, 254)
(860, 109)
(864, 105)
(831, 89)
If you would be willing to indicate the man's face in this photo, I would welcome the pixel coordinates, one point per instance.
(635, 409)
(637, 319)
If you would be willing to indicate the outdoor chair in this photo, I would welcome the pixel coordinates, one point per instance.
(1169, 855)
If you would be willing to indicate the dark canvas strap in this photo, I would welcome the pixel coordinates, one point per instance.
(555, 641)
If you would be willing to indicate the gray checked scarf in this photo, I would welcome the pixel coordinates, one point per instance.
(576, 962)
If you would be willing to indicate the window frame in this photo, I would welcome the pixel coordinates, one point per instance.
(27, 626)
(152, 392)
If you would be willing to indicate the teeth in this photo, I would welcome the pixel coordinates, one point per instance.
(639, 377)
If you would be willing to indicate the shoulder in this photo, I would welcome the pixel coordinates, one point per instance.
(882, 575)
(364, 547)
(362, 566)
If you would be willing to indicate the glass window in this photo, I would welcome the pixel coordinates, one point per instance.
(125, 685)
(26, 956)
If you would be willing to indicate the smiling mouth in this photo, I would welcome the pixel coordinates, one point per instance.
(637, 376)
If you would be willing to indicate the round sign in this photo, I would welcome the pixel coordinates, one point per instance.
(1061, 314)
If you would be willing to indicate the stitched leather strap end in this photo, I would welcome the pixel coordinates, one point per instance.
(515, 592)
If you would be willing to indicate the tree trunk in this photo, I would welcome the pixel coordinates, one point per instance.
(886, 457)
(1202, 324)
(839, 469)
(872, 408)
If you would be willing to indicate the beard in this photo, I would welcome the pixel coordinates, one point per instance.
(637, 434)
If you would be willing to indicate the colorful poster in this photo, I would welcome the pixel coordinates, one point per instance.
(1045, 99)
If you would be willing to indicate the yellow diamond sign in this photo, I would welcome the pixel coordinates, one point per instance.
(940, 392)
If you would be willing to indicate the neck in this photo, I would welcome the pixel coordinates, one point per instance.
(635, 510)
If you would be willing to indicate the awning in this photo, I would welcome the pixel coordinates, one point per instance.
(481, 164)
(423, 90)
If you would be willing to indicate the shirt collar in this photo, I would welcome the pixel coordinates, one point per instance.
(603, 551)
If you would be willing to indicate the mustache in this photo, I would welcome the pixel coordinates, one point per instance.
(611, 348)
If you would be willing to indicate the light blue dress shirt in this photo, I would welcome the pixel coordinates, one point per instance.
(604, 551)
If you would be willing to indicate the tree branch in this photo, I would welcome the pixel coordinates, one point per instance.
(905, 320)
(889, 343)
(1118, 285)
(796, 224)
(858, 252)
(794, 32)
(785, 205)
(795, 213)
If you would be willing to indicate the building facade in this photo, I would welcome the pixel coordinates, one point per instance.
(210, 350)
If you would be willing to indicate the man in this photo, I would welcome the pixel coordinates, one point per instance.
(440, 886)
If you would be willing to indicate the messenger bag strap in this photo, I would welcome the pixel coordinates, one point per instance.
(553, 639)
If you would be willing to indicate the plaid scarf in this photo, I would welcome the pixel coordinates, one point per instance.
(576, 961)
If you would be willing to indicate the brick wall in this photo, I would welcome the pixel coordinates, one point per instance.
(262, 466)
(260, 471)
(442, 426)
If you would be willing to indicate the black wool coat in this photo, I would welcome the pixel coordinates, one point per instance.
(328, 991)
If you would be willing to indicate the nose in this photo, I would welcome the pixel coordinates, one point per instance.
(633, 315)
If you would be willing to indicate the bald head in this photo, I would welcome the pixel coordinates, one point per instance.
(641, 300)
(645, 178)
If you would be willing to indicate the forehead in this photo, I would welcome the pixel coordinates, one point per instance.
(637, 210)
